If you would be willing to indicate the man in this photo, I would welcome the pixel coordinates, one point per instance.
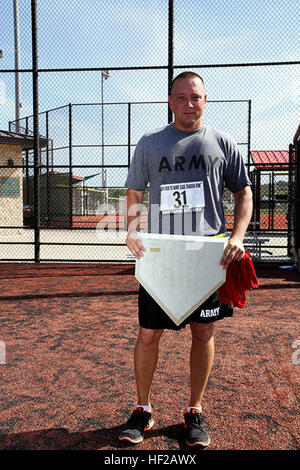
(183, 151)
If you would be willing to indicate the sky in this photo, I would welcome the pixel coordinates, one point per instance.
(121, 33)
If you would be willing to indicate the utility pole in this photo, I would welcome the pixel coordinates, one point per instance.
(18, 103)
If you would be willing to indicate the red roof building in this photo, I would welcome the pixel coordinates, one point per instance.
(270, 159)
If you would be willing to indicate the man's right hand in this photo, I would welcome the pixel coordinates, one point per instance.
(134, 245)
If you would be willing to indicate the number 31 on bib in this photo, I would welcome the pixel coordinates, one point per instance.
(182, 197)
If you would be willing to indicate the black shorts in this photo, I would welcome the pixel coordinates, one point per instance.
(153, 317)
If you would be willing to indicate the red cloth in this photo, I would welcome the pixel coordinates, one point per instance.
(240, 275)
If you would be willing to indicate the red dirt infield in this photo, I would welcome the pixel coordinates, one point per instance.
(278, 221)
(67, 383)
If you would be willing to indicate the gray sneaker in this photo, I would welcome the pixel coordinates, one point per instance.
(196, 429)
(133, 429)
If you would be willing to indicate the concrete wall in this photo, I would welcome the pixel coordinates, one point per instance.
(11, 206)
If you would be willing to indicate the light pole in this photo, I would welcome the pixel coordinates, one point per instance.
(18, 104)
(104, 76)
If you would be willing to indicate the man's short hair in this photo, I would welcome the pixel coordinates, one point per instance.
(187, 74)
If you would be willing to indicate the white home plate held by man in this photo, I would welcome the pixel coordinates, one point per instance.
(179, 271)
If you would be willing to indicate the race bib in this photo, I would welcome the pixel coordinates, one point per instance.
(182, 197)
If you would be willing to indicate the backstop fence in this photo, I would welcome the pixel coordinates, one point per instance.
(81, 82)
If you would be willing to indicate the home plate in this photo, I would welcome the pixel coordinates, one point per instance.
(179, 271)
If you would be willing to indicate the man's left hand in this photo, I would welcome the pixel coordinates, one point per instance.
(233, 252)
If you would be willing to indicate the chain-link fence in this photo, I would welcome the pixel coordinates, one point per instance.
(102, 74)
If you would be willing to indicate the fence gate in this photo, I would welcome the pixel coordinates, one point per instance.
(274, 210)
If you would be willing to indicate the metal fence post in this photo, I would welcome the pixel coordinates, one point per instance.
(47, 177)
(297, 197)
(27, 198)
(129, 133)
(70, 168)
(129, 156)
(249, 135)
(36, 131)
(170, 52)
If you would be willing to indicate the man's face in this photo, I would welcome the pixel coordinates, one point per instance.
(187, 102)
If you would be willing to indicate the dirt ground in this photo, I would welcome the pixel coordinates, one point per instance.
(67, 382)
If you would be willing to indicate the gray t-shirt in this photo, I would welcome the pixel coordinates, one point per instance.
(168, 159)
